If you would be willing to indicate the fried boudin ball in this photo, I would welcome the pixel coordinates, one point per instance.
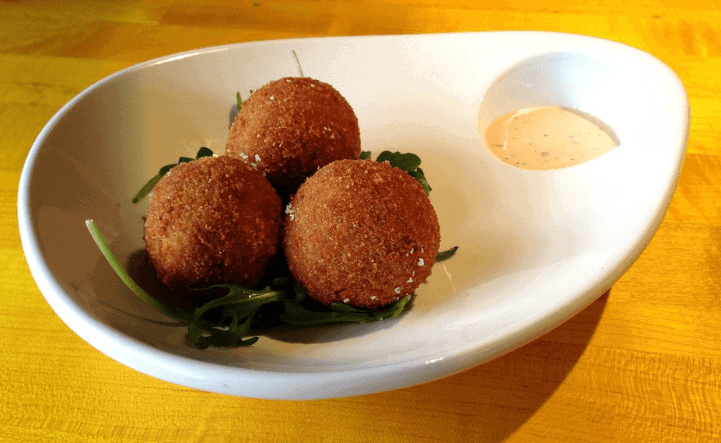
(360, 232)
(291, 127)
(213, 220)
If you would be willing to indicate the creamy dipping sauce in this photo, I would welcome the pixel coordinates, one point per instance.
(548, 137)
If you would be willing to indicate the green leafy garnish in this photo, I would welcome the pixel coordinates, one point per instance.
(298, 62)
(405, 161)
(145, 190)
(129, 282)
(445, 255)
(420, 176)
(228, 320)
(239, 101)
(365, 155)
(297, 314)
(408, 162)
(225, 321)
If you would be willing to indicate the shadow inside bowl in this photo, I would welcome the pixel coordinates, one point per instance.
(330, 333)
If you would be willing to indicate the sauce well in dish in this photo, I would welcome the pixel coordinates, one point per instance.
(548, 137)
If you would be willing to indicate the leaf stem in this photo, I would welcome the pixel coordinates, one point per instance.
(298, 62)
(129, 282)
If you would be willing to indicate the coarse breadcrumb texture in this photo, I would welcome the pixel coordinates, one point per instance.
(213, 220)
(290, 127)
(362, 233)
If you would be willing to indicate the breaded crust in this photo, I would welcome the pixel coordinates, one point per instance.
(291, 127)
(362, 233)
(213, 220)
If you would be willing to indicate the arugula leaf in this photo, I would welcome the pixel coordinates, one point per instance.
(298, 62)
(239, 102)
(225, 321)
(408, 162)
(232, 336)
(145, 190)
(297, 314)
(418, 175)
(129, 282)
(365, 155)
(445, 255)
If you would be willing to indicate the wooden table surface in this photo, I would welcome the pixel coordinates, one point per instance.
(642, 363)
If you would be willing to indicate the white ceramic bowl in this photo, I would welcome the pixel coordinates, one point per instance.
(535, 246)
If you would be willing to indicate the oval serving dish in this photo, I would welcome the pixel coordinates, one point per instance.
(535, 246)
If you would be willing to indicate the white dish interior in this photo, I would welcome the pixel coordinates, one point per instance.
(535, 246)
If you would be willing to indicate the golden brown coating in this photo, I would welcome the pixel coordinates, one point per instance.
(362, 233)
(213, 220)
(291, 127)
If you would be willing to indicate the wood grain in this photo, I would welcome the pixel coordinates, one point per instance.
(642, 363)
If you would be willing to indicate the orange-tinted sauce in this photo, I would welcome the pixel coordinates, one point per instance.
(548, 137)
